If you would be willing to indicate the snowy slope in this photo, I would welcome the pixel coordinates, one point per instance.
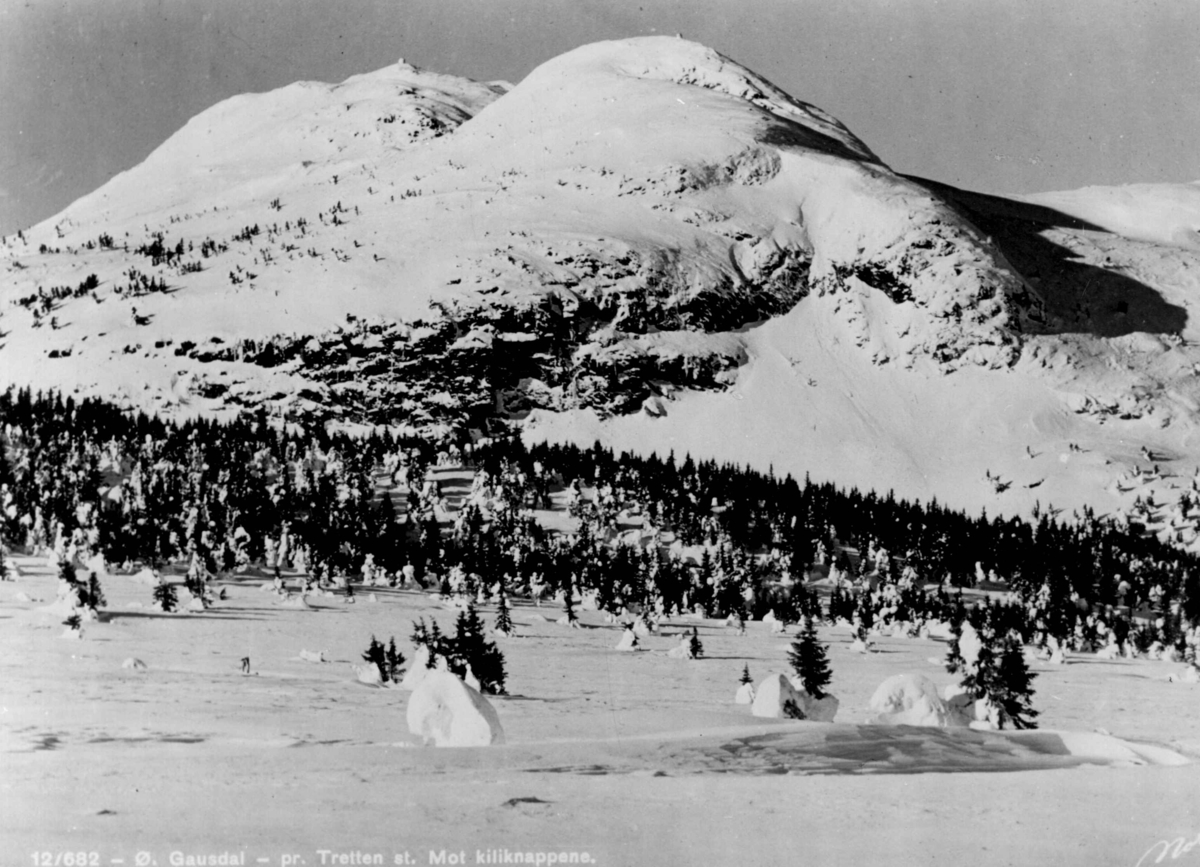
(1159, 213)
(662, 228)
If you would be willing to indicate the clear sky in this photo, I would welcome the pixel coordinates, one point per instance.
(993, 95)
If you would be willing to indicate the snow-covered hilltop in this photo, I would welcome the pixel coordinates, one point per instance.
(642, 241)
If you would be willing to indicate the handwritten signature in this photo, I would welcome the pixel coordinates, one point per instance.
(1168, 849)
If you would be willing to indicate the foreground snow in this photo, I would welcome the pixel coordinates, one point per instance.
(632, 757)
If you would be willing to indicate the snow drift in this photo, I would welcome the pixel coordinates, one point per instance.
(446, 712)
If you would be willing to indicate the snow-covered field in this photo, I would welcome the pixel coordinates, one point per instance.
(992, 352)
(635, 758)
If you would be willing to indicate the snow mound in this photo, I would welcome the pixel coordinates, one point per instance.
(133, 663)
(776, 698)
(314, 656)
(1100, 747)
(368, 674)
(417, 670)
(628, 642)
(682, 650)
(147, 577)
(1189, 675)
(745, 694)
(446, 712)
(911, 699)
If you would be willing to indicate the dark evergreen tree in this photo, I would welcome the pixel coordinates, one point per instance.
(503, 615)
(164, 595)
(954, 661)
(394, 660)
(95, 595)
(808, 660)
(745, 678)
(420, 633)
(376, 655)
(471, 650)
(569, 606)
(1013, 690)
(695, 648)
(438, 645)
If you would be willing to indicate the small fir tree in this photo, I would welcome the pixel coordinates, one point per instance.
(438, 645)
(376, 655)
(66, 572)
(999, 675)
(745, 678)
(95, 595)
(470, 649)
(196, 581)
(808, 659)
(503, 614)
(695, 648)
(1014, 689)
(394, 660)
(420, 633)
(74, 622)
(954, 659)
(164, 595)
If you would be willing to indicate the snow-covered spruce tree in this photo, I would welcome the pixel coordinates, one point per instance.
(808, 659)
(87, 594)
(695, 648)
(196, 580)
(994, 670)
(164, 595)
(431, 638)
(954, 661)
(504, 622)
(67, 576)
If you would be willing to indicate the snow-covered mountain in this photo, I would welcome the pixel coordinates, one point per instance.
(644, 242)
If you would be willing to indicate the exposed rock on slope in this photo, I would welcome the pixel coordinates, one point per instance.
(639, 186)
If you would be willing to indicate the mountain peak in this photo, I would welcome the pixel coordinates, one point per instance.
(637, 221)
